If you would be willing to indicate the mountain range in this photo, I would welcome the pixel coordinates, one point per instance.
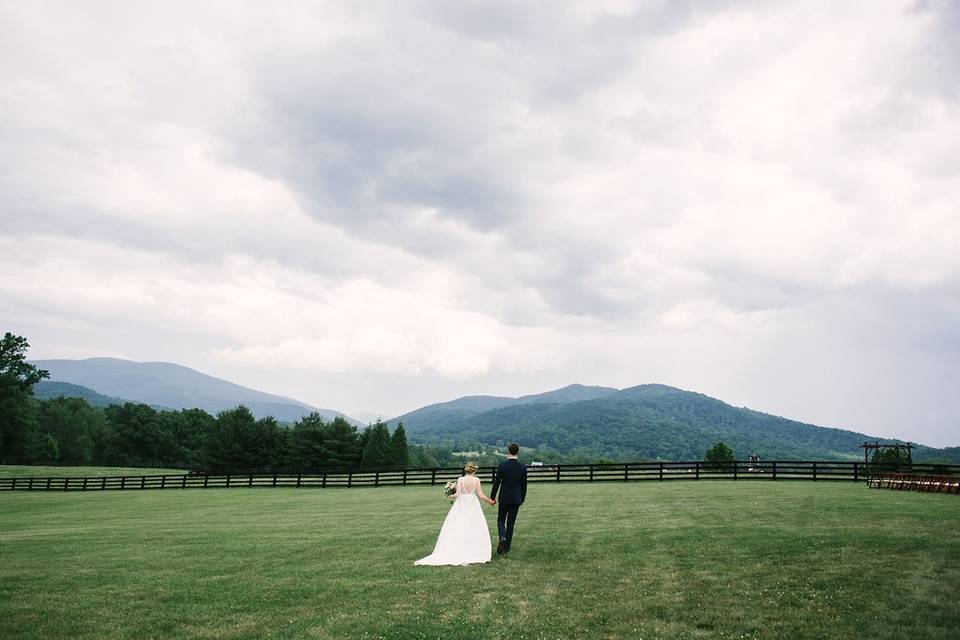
(168, 385)
(649, 421)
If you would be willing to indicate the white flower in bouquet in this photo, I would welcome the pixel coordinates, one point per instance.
(450, 488)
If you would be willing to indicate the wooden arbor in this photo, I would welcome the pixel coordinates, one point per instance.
(878, 448)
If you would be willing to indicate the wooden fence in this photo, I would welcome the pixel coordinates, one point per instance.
(811, 470)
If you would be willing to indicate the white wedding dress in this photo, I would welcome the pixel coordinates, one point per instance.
(464, 537)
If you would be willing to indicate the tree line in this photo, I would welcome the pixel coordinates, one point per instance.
(71, 431)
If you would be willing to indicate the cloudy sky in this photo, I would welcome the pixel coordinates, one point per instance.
(373, 206)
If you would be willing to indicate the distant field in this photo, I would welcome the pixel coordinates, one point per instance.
(677, 560)
(24, 471)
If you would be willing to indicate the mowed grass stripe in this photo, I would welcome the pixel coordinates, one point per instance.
(676, 560)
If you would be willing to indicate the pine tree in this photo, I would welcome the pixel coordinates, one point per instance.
(308, 444)
(398, 446)
(342, 442)
(378, 450)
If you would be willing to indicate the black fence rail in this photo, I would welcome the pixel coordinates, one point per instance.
(811, 470)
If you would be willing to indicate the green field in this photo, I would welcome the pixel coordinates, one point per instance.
(718, 559)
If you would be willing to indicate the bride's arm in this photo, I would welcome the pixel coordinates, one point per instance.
(481, 494)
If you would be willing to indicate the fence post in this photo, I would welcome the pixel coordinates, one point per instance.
(433, 477)
(661, 472)
(29, 484)
(298, 480)
(404, 477)
(558, 473)
(814, 471)
(376, 479)
(206, 479)
(66, 484)
(84, 483)
(349, 479)
(250, 484)
(856, 471)
(774, 470)
(697, 468)
(228, 481)
(734, 469)
(274, 478)
(163, 482)
(183, 481)
(143, 482)
(626, 472)
(591, 473)
(123, 482)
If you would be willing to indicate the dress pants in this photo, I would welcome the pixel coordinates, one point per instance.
(506, 517)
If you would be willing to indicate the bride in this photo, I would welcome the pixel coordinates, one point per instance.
(464, 537)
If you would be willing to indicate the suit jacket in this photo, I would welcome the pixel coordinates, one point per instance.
(510, 479)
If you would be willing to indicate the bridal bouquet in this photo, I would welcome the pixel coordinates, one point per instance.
(450, 488)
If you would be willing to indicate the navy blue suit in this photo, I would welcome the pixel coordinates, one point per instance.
(510, 479)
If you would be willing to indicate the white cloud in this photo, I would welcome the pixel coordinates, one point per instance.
(273, 316)
(434, 197)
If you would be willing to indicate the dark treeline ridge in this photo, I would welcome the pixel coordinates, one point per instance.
(70, 431)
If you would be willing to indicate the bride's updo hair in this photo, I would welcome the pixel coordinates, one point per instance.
(470, 467)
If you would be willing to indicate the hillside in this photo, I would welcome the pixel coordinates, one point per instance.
(443, 415)
(647, 421)
(46, 389)
(171, 385)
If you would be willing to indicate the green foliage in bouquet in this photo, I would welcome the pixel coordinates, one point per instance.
(450, 489)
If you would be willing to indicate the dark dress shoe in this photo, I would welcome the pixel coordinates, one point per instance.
(501, 547)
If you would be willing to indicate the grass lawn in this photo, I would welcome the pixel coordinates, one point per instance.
(26, 471)
(719, 559)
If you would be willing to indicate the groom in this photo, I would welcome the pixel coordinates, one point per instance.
(510, 479)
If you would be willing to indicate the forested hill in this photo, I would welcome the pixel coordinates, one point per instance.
(46, 389)
(649, 421)
(443, 415)
(171, 385)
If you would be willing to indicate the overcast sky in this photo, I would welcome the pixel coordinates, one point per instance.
(371, 206)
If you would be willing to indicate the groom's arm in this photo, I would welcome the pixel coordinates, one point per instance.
(523, 486)
(496, 484)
